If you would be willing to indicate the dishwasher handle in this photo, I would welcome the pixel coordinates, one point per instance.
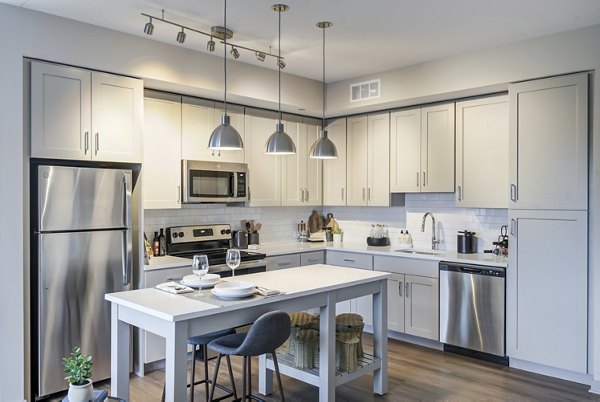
(470, 270)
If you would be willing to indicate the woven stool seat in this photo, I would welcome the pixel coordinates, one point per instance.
(346, 345)
(300, 321)
(353, 324)
(307, 348)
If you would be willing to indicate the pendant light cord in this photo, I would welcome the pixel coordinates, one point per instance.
(225, 57)
(278, 63)
(323, 122)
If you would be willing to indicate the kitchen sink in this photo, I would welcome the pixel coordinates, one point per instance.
(418, 252)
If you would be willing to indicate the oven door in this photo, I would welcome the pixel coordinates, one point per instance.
(246, 267)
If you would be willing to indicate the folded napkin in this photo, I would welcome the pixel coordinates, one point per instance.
(267, 292)
(174, 287)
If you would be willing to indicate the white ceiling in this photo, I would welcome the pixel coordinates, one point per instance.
(366, 37)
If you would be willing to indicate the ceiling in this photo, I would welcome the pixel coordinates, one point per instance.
(366, 37)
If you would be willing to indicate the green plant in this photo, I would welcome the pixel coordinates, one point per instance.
(337, 231)
(78, 367)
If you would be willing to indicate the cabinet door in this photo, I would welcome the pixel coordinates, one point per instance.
(482, 153)
(293, 167)
(350, 260)
(421, 307)
(396, 303)
(363, 306)
(197, 124)
(237, 120)
(548, 143)
(60, 112)
(313, 257)
(547, 289)
(313, 169)
(357, 161)
(334, 170)
(162, 152)
(117, 118)
(437, 149)
(283, 261)
(378, 170)
(264, 171)
(405, 151)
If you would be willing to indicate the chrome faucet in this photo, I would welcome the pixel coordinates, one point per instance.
(434, 240)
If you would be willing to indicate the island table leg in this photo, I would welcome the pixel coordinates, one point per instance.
(119, 355)
(380, 317)
(327, 351)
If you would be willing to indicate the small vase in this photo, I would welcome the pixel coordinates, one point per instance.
(337, 238)
(81, 393)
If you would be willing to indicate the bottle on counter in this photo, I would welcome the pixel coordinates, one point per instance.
(156, 245)
(162, 243)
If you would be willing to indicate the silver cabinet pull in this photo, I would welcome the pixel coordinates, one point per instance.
(513, 192)
(301, 195)
(406, 289)
(349, 260)
(284, 264)
(423, 182)
(459, 193)
(417, 179)
(179, 194)
(363, 194)
(513, 227)
(86, 142)
(369, 194)
(400, 288)
(342, 193)
(97, 143)
(306, 195)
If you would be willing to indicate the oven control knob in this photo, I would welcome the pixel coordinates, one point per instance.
(228, 231)
(181, 234)
(175, 235)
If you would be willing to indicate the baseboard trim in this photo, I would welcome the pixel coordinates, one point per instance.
(568, 375)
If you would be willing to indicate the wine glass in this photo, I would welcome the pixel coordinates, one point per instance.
(233, 259)
(200, 265)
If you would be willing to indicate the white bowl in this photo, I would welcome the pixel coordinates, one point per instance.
(234, 288)
(191, 280)
(210, 279)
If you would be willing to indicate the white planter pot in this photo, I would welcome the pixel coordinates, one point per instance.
(81, 393)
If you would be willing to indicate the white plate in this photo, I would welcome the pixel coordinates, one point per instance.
(234, 288)
(210, 279)
(206, 281)
(232, 297)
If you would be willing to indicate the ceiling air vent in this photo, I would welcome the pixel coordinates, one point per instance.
(365, 90)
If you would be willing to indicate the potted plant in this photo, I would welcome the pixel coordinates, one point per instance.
(78, 368)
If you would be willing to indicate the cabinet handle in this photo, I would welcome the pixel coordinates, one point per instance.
(363, 194)
(406, 289)
(301, 195)
(417, 179)
(283, 264)
(513, 227)
(513, 192)
(97, 143)
(306, 195)
(459, 193)
(349, 260)
(313, 260)
(179, 194)
(342, 193)
(400, 288)
(424, 179)
(86, 142)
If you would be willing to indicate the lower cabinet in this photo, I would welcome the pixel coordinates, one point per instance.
(362, 305)
(312, 258)
(413, 300)
(283, 261)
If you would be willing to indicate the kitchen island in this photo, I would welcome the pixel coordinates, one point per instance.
(178, 317)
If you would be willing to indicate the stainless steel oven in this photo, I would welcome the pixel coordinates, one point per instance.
(219, 182)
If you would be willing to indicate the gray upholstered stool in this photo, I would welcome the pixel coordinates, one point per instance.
(199, 344)
(267, 333)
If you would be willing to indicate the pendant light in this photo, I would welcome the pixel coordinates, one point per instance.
(280, 143)
(225, 137)
(323, 148)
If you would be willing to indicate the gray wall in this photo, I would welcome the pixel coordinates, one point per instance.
(29, 34)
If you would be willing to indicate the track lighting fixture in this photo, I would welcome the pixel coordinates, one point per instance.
(149, 27)
(210, 45)
(280, 143)
(221, 33)
(181, 36)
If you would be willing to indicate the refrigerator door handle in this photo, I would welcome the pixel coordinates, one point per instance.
(126, 183)
(126, 257)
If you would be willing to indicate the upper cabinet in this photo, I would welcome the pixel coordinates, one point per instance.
(422, 150)
(161, 169)
(549, 114)
(368, 160)
(334, 170)
(85, 115)
(482, 153)
(199, 117)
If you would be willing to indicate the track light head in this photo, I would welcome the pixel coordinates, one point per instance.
(235, 53)
(181, 36)
(281, 63)
(149, 27)
(260, 56)
(210, 45)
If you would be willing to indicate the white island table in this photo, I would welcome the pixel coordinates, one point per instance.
(178, 317)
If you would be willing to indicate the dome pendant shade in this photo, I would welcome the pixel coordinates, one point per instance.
(225, 137)
(323, 148)
(280, 143)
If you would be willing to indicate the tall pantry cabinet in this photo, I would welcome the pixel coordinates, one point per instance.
(547, 288)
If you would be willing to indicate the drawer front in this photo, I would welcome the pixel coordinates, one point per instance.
(404, 265)
(153, 278)
(350, 260)
(314, 257)
(283, 261)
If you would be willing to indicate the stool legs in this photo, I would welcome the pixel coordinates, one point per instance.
(214, 381)
(276, 364)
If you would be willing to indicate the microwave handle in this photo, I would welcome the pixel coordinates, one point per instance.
(233, 184)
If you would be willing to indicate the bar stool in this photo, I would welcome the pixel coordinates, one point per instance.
(199, 344)
(267, 333)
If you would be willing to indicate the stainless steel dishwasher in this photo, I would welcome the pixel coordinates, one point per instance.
(472, 309)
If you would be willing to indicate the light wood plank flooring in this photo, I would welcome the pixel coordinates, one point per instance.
(415, 374)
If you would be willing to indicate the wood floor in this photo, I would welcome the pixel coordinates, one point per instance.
(415, 374)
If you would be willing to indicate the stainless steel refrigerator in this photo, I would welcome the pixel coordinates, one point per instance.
(83, 248)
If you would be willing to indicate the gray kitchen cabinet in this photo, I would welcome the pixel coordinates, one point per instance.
(547, 289)
(422, 149)
(549, 114)
(368, 160)
(413, 295)
(283, 261)
(362, 305)
(85, 115)
(199, 118)
(162, 151)
(312, 258)
(334, 170)
(482, 152)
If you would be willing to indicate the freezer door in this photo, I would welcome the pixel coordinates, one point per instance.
(75, 271)
(72, 198)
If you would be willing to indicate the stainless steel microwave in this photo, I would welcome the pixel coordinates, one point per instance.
(219, 182)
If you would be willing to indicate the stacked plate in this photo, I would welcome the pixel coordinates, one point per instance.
(206, 281)
(233, 290)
